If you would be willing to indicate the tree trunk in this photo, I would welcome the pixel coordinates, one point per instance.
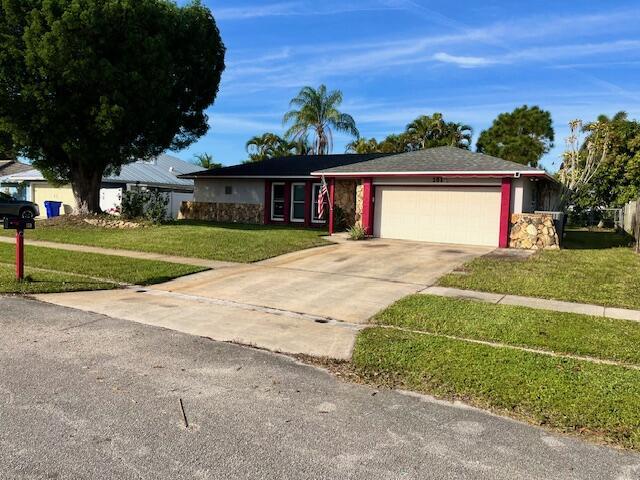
(86, 188)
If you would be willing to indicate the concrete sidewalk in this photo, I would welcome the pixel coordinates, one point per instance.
(198, 262)
(539, 303)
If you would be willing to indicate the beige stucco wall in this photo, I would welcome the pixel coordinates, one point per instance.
(42, 192)
(244, 191)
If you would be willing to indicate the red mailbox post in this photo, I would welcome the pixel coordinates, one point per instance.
(19, 225)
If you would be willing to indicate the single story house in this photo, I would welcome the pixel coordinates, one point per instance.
(161, 173)
(443, 194)
(12, 167)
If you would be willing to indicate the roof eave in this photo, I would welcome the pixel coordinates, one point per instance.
(479, 173)
(252, 177)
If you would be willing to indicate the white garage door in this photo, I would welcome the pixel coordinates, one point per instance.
(468, 215)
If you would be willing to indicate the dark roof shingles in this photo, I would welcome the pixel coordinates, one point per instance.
(293, 166)
(439, 159)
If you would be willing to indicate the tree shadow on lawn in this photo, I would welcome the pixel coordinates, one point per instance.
(595, 240)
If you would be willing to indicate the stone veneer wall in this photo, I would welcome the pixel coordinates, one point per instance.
(533, 231)
(345, 198)
(222, 212)
(359, 203)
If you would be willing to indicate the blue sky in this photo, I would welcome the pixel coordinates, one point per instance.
(397, 59)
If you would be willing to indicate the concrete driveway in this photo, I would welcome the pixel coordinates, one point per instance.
(312, 301)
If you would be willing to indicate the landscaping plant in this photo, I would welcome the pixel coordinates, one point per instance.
(145, 204)
(357, 232)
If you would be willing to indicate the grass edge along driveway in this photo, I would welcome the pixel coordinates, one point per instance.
(565, 394)
(558, 332)
(571, 396)
(51, 270)
(213, 241)
(595, 267)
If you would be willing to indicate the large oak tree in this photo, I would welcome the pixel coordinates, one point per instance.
(522, 136)
(87, 86)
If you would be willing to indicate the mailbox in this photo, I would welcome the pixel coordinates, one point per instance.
(19, 225)
(15, 223)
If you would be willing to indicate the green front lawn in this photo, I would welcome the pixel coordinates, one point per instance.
(594, 267)
(561, 393)
(234, 243)
(554, 331)
(72, 271)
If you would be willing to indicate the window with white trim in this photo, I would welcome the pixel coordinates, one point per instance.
(277, 201)
(297, 202)
(314, 205)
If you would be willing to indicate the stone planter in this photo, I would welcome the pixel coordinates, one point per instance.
(531, 231)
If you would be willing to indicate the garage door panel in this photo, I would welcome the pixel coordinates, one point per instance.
(469, 215)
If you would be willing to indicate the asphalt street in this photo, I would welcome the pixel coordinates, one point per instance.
(84, 396)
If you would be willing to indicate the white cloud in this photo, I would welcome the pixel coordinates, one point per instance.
(256, 11)
(299, 8)
(463, 61)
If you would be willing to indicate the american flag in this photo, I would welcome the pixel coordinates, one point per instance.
(322, 194)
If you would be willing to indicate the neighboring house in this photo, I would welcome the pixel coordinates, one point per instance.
(13, 167)
(442, 194)
(160, 173)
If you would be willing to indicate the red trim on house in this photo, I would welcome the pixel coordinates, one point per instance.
(308, 222)
(267, 202)
(505, 212)
(287, 202)
(332, 193)
(367, 205)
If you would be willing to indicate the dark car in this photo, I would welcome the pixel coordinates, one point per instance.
(12, 207)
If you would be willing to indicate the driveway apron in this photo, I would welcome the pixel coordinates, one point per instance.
(311, 302)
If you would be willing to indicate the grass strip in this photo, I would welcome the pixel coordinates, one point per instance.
(565, 394)
(558, 332)
(47, 282)
(214, 241)
(109, 267)
(586, 272)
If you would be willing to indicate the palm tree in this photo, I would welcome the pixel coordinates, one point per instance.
(460, 135)
(301, 146)
(317, 113)
(270, 145)
(396, 144)
(264, 146)
(363, 145)
(205, 160)
(426, 130)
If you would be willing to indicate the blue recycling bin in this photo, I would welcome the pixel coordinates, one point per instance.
(52, 208)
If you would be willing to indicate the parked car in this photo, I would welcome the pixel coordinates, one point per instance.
(12, 207)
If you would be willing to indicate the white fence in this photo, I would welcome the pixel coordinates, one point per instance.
(175, 200)
(630, 217)
(111, 199)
